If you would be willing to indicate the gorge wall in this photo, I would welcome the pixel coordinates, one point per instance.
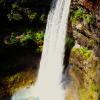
(84, 29)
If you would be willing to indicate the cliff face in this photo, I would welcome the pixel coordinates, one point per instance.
(85, 54)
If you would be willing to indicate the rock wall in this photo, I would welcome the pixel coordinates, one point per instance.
(85, 54)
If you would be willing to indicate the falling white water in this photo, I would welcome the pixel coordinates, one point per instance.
(48, 85)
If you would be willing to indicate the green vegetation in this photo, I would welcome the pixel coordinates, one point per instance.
(17, 81)
(85, 73)
(22, 25)
(92, 93)
(83, 51)
(15, 16)
(69, 42)
(77, 14)
(24, 38)
(81, 15)
(38, 37)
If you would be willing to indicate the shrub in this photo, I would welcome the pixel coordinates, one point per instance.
(26, 37)
(38, 37)
(81, 15)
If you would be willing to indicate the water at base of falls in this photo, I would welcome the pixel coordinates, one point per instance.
(48, 85)
(32, 94)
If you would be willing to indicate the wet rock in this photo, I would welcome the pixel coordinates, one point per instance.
(85, 55)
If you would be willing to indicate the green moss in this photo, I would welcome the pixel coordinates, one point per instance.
(17, 81)
(87, 76)
(95, 87)
(83, 94)
(83, 51)
(14, 77)
(89, 93)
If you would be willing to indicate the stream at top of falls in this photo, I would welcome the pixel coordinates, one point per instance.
(48, 85)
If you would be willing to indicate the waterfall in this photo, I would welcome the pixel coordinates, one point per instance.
(51, 65)
(48, 85)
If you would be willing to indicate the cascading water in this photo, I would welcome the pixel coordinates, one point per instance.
(48, 85)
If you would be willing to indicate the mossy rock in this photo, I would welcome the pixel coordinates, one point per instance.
(85, 73)
(13, 83)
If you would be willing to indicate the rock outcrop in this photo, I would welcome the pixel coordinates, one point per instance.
(85, 54)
